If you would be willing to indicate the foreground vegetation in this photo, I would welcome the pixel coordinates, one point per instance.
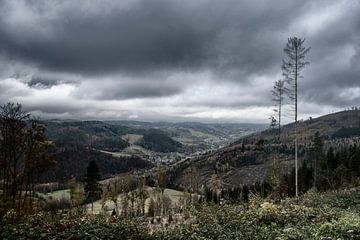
(329, 215)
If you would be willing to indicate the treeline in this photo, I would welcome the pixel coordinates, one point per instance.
(237, 195)
(326, 169)
(346, 132)
(320, 170)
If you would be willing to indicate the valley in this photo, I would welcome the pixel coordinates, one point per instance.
(150, 143)
(238, 154)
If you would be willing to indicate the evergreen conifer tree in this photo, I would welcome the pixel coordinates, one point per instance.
(92, 188)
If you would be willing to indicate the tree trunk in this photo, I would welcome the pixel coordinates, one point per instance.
(296, 142)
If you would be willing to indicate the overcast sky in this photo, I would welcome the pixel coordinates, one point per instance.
(188, 60)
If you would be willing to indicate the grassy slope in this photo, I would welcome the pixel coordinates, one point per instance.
(331, 215)
(57, 195)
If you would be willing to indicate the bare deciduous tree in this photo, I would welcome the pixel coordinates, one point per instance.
(24, 154)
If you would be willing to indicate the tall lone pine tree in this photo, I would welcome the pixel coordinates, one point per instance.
(292, 66)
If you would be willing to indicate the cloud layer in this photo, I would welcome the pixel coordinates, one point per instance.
(174, 60)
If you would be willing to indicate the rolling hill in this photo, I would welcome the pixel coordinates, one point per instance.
(124, 146)
(336, 125)
(107, 137)
(72, 162)
(248, 159)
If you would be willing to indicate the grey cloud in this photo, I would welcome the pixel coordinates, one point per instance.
(156, 34)
(53, 108)
(38, 82)
(115, 50)
(334, 62)
(118, 90)
(48, 80)
(147, 35)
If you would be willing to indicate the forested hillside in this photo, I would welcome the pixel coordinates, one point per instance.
(108, 137)
(344, 124)
(71, 162)
(251, 158)
(159, 142)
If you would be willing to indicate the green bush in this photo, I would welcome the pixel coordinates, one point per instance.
(346, 227)
(311, 216)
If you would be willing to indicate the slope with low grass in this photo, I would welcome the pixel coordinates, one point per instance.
(329, 215)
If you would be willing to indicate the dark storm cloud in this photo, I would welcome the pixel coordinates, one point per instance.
(148, 34)
(335, 62)
(174, 54)
(145, 35)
